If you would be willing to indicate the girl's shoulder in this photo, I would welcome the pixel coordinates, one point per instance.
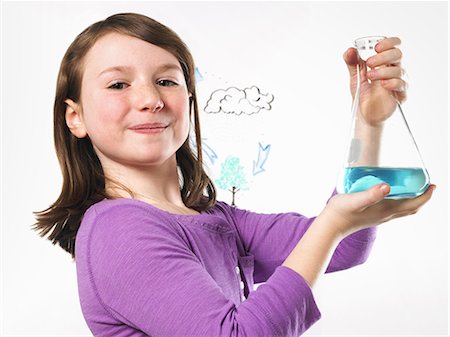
(117, 205)
(118, 215)
(116, 208)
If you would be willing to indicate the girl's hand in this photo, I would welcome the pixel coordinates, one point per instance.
(349, 213)
(379, 97)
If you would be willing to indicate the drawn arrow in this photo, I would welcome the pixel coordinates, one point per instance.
(263, 154)
(198, 75)
(206, 149)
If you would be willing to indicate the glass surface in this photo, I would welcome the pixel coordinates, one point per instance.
(404, 182)
(381, 147)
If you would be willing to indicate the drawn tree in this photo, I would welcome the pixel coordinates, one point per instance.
(232, 177)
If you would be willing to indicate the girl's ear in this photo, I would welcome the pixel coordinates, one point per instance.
(74, 119)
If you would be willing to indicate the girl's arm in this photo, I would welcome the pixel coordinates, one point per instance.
(343, 215)
(270, 238)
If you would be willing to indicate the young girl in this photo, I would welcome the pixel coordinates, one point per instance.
(156, 254)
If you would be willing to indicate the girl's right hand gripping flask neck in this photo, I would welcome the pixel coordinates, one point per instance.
(382, 148)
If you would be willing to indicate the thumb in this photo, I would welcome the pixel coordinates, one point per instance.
(351, 59)
(370, 197)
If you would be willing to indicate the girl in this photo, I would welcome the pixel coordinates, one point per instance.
(156, 254)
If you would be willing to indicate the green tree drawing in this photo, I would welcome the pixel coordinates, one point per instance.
(232, 177)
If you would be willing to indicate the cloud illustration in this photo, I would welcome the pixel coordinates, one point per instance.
(236, 101)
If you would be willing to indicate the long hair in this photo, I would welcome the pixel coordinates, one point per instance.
(83, 176)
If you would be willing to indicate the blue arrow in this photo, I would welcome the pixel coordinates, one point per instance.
(263, 154)
(206, 149)
(198, 75)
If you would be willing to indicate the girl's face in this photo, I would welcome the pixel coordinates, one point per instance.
(128, 82)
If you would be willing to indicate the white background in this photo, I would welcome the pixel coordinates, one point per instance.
(292, 50)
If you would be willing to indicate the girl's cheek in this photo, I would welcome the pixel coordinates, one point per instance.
(112, 108)
(179, 103)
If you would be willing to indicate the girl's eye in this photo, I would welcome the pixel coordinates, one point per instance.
(117, 86)
(167, 83)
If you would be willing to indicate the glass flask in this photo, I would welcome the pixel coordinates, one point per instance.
(382, 148)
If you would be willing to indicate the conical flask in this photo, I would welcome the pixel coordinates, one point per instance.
(382, 148)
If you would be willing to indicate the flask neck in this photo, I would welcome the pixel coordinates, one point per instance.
(366, 46)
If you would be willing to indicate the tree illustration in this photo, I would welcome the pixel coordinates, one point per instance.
(232, 177)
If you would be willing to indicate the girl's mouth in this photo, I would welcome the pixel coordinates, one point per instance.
(149, 128)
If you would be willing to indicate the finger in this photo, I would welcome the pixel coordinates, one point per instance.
(394, 84)
(387, 43)
(400, 96)
(410, 206)
(388, 57)
(361, 200)
(385, 73)
(397, 87)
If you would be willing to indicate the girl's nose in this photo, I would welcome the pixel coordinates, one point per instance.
(148, 99)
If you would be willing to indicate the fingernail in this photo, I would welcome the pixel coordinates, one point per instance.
(370, 62)
(384, 188)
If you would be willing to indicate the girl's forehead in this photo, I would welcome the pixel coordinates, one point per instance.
(113, 49)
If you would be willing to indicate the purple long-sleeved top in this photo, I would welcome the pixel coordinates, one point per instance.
(145, 272)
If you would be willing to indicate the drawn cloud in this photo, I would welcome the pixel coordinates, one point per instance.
(236, 101)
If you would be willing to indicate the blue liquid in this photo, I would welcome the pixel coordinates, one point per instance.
(404, 182)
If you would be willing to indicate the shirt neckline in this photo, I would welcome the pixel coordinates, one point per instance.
(208, 219)
(160, 210)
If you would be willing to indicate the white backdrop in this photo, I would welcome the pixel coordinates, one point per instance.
(291, 50)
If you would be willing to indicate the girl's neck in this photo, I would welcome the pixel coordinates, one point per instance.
(160, 184)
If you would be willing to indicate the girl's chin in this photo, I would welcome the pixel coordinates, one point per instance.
(152, 161)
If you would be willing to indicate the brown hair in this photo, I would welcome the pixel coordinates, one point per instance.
(83, 176)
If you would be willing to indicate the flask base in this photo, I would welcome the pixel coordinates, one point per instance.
(406, 182)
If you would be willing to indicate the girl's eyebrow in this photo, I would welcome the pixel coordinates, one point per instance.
(168, 66)
(163, 67)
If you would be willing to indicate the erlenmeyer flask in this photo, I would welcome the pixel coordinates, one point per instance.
(382, 148)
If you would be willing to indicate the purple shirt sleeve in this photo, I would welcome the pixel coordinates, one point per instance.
(271, 238)
(145, 275)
